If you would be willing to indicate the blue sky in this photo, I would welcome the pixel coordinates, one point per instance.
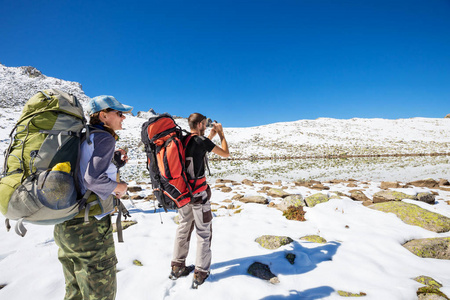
(243, 63)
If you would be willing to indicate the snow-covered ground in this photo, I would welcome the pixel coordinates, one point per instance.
(364, 252)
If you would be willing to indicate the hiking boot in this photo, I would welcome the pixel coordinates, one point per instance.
(180, 271)
(199, 278)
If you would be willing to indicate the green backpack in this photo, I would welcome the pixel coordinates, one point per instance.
(39, 181)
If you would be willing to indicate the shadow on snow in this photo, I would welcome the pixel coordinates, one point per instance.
(306, 260)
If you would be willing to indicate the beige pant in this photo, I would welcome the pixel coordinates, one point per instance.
(200, 217)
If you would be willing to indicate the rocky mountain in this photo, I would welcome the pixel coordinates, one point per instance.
(18, 84)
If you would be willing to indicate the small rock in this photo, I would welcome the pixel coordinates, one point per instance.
(385, 196)
(176, 219)
(237, 197)
(349, 294)
(137, 197)
(226, 189)
(254, 199)
(443, 182)
(291, 258)
(438, 248)
(358, 195)
(389, 185)
(314, 239)
(426, 197)
(277, 193)
(429, 183)
(315, 199)
(247, 182)
(428, 281)
(134, 189)
(224, 181)
(262, 271)
(150, 197)
(291, 200)
(352, 184)
(273, 242)
(137, 263)
(367, 203)
(319, 187)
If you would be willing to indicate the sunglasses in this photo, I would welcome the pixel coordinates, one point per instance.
(119, 113)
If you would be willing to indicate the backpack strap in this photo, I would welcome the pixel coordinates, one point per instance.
(8, 226)
(20, 228)
(121, 211)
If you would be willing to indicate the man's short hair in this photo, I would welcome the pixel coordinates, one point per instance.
(194, 119)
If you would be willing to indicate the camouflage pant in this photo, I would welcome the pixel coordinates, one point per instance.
(88, 257)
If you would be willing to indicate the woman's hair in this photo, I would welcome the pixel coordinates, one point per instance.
(94, 119)
(194, 119)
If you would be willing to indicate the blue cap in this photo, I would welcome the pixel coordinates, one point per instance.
(100, 103)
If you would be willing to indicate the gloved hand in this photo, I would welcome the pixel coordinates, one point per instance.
(120, 158)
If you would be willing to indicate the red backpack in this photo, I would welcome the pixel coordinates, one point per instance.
(165, 148)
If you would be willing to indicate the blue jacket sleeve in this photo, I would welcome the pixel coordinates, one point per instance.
(96, 178)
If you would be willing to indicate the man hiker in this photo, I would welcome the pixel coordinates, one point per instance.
(198, 212)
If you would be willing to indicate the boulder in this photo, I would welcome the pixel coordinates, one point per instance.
(429, 183)
(291, 200)
(438, 248)
(277, 193)
(273, 242)
(447, 116)
(315, 199)
(414, 215)
(426, 197)
(385, 196)
(358, 195)
(254, 199)
(389, 185)
(262, 271)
